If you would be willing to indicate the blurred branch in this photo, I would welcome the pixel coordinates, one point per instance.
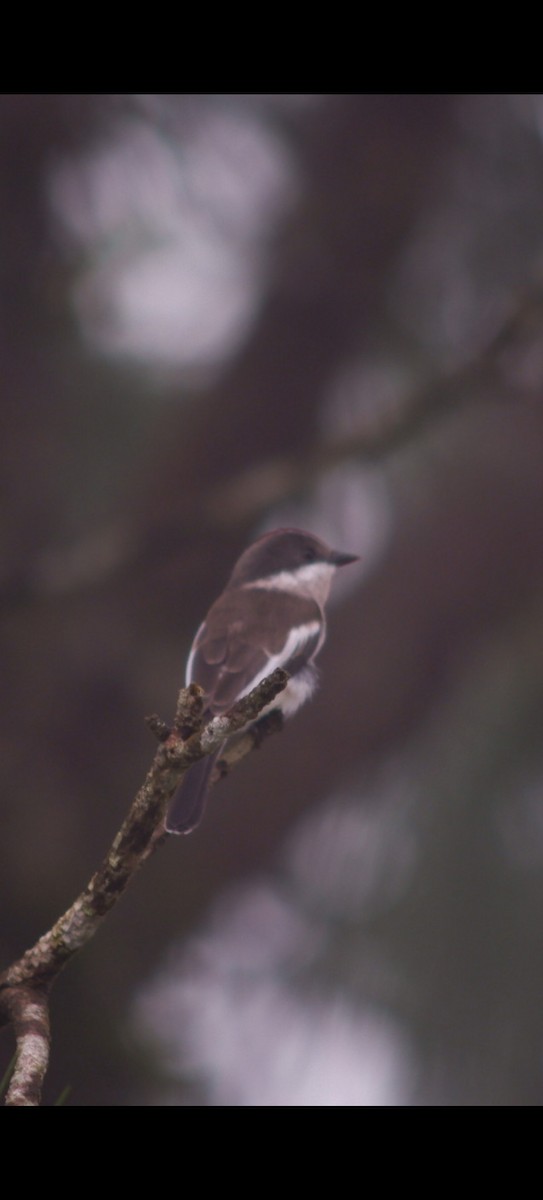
(277, 479)
(26, 984)
(243, 499)
(242, 745)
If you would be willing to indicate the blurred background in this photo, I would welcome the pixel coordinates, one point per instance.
(222, 313)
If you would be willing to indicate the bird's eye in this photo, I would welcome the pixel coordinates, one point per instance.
(310, 554)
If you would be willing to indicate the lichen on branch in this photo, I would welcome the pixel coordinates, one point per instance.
(26, 984)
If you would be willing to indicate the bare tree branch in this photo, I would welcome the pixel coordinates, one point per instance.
(28, 1010)
(252, 739)
(25, 985)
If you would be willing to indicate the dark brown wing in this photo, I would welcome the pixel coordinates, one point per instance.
(231, 651)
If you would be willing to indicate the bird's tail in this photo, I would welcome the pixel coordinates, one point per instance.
(188, 803)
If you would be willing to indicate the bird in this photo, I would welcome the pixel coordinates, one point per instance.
(271, 614)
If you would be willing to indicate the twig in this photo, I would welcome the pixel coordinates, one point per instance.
(252, 739)
(26, 984)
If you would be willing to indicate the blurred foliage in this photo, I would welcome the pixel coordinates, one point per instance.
(232, 311)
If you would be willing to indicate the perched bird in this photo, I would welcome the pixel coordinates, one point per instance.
(270, 614)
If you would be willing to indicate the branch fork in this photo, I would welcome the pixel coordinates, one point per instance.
(26, 984)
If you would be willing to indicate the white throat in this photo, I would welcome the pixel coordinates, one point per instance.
(312, 580)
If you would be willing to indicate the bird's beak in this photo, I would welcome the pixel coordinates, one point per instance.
(338, 559)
